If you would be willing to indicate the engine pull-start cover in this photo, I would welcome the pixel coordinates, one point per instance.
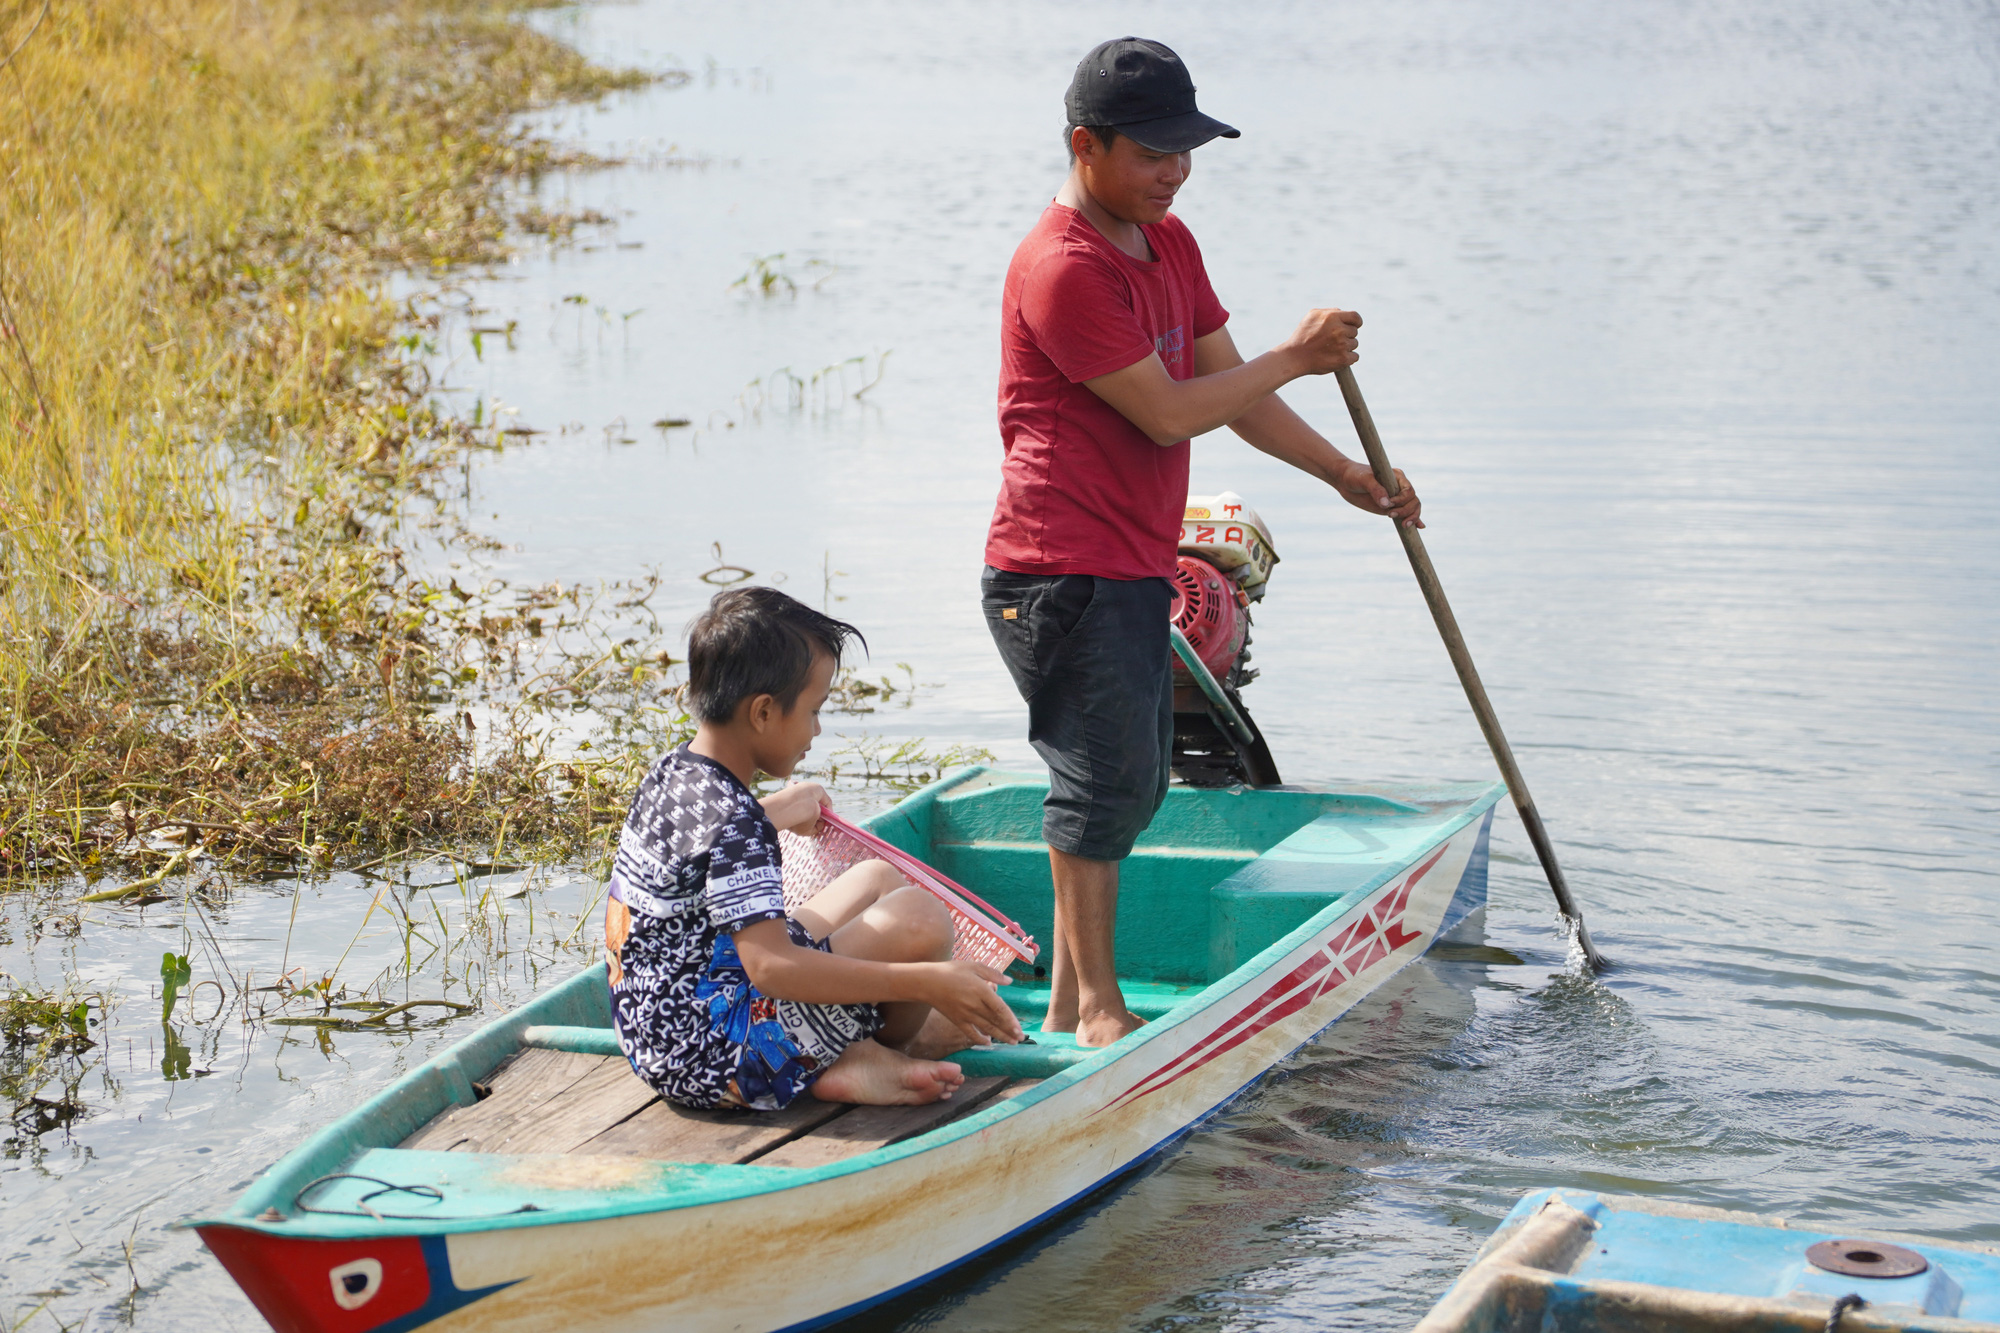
(1227, 533)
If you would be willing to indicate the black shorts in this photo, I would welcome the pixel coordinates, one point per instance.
(1091, 657)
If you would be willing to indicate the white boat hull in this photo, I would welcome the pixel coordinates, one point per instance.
(844, 1240)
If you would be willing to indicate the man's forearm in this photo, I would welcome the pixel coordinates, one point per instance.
(1210, 402)
(1170, 410)
(1272, 427)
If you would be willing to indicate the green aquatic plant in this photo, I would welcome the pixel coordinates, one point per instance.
(175, 972)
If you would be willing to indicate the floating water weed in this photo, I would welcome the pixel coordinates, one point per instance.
(768, 276)
(44, 1056)
(906, 764)
(850, 692)
(558, 224)
(40, 1016)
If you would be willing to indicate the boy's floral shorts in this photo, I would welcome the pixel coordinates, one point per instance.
(782, 1045)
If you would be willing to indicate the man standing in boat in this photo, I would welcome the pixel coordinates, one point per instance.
(1114, 352)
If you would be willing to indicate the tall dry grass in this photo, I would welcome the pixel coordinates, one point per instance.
(213, 423)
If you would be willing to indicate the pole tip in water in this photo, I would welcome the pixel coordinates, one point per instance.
(1582, 955)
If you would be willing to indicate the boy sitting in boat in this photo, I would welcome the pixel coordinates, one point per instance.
(719, 996)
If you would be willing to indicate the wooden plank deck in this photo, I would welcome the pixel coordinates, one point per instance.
(672, 1133)
(522, 1086)
(866, 1128)
(560, 1102)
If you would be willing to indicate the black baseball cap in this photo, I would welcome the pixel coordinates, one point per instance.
(1142, 90)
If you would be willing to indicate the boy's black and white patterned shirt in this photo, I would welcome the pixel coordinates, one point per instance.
(697, 858)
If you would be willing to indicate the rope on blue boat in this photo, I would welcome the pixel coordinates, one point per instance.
(1840, 1307)
(361, 1208)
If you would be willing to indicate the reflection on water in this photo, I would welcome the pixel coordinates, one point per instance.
(1682, 318)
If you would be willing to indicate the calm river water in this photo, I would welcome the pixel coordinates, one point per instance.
(1683, 319)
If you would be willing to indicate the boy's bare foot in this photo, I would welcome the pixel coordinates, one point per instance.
(870, 1074)
(938, 1038)
(1103, 1029)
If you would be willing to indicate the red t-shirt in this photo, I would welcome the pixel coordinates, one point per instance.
(1083, 490)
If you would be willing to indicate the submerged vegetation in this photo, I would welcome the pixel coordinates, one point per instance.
(221, 449)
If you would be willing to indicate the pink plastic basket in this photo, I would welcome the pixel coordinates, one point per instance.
(983, 935)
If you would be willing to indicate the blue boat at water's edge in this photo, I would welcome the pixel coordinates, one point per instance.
(1567, 1259)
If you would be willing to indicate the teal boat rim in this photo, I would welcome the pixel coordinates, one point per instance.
(278, 1188)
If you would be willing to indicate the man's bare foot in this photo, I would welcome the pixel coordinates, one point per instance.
(1103, 1029)
(1064, 1021)
(870, 1074)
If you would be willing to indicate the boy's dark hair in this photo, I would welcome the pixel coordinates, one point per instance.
(1106, 135)
(754, 641)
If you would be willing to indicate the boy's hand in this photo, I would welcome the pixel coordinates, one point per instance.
(964, 992)
(796, 808)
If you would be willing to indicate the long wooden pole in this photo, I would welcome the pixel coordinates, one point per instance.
(1468, 674)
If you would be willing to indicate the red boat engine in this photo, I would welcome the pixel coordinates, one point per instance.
(1214, 614)
(1225, 564)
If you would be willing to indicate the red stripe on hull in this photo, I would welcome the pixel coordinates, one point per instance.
(1207, 1049)
(1380, 926)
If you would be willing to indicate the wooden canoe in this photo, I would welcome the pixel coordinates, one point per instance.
(525, 1179)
